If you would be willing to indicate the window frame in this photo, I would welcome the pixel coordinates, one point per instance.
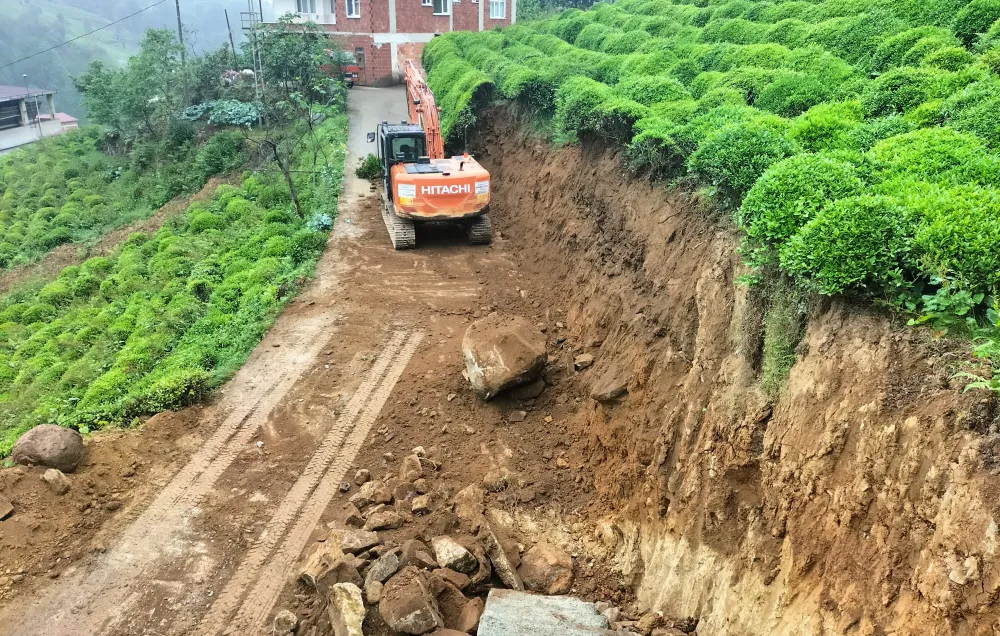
(502, 4)
(447, 7)
(357, 8)
(427, 3)
(305, 4)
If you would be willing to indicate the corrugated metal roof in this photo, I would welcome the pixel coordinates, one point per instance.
(18, 92)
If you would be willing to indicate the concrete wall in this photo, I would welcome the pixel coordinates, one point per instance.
(15, 137)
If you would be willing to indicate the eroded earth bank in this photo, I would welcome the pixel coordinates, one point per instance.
(863, 499)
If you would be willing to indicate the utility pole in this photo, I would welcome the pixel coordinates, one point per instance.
(230, 29)
(27, 94)
(180, 36)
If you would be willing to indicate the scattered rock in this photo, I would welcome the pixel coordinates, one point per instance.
(611, 613)
(547, 569)
(468, 620)
(451, 602)
(469, 505)
(57, 481)
(373, 592)
(407, 605)
(416, 553)
(403, 490)
(528, 391)
(421, 505)
(410, 468)
(285, 622)
(385, 520)
(383, 567)
(354, 541)
(346, 610)
(509, 612)
(327, 566)
(352, 516)
(362, 477)
(371, 494)
(610, 386)
(6, 508)
(422, 487)
(517, 416)
(651, 621)
(457, 579)
(502, 564)
(49, 445)
(450, 554)
(583, 361)
(419, 451)
(501, 353)
(480, 579)
(562, 462)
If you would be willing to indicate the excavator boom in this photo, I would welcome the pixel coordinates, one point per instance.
(423, 109)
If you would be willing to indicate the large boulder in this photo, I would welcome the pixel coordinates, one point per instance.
(547, 569)
(502, 352)
(50, 446)
(407, 604)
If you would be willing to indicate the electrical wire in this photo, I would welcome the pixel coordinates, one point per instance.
(52, 48)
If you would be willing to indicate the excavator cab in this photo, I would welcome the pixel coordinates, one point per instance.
(421, 184)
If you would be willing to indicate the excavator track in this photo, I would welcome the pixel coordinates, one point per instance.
(480, 231)
(401, 231)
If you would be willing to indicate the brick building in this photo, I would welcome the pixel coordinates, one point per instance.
(383, 34)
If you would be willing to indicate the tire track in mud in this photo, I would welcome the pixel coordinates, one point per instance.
(303, 505)
(100, 590)
(228, 601)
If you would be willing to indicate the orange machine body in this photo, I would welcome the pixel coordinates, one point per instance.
(443, 188)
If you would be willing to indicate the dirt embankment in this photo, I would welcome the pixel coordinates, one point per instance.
(863, 500)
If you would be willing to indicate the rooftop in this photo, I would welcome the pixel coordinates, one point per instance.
(8, 92)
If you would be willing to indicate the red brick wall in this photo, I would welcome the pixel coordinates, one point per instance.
(411, 17)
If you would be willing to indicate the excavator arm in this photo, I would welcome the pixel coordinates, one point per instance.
(423, 109)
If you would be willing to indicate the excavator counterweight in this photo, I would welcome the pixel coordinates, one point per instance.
(420, 182)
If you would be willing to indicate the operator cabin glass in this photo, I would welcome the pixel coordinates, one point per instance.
(409, 148)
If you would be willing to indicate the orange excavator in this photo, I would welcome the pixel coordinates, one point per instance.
(420, 183)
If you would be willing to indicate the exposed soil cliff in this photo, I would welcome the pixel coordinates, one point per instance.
(863, 499)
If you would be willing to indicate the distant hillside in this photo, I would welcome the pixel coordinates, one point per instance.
(28, 27)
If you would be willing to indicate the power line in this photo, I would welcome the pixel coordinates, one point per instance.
(52, 48)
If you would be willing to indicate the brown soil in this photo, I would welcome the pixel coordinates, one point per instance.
(75, 253)
(863, 500)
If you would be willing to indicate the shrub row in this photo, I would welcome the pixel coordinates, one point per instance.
(858, 139)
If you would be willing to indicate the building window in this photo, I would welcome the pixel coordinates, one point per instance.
(442, 7)
(498, 9)
(354, 8)
(305, 6)
(426, 3)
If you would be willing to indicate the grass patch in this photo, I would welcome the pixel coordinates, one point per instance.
(784, 324)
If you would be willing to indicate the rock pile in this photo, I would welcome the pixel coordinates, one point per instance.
(374, 581)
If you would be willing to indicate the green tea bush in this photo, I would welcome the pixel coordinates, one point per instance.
(791, 192)
(860, 242)
(853, 135)
(168, 316)
(975, 18)
(734, 156)
(648, 90)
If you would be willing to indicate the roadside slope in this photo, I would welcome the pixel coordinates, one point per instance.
(863, 496)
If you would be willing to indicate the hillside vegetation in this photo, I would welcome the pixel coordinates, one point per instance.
(857, 141)
(168, 316)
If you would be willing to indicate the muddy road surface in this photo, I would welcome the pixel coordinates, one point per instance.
(209, 540)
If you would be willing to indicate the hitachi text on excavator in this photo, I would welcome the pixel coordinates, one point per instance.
(420, 184)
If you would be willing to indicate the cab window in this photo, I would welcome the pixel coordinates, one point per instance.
(408, 148)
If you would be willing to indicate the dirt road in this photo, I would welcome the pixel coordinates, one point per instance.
(211, 547)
